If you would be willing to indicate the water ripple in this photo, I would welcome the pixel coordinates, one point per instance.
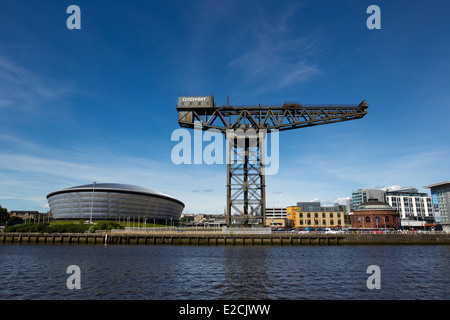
(219, 273)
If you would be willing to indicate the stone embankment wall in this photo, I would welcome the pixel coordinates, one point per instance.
(397, 238)
(221, 239)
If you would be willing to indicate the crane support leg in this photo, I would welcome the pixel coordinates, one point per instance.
(245, 179)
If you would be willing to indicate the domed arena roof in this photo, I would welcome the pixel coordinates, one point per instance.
(119, 187)
(374, 204)
(113, 201)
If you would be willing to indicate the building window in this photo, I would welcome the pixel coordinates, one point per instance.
(338, 214)
(309, 222)
(339, 222)
(386, 218)
(323, 214)
(367, 219)
(331, 222)
(316, 215)
(301, 214)
(308, 215)
(324, 222)
(331, 214)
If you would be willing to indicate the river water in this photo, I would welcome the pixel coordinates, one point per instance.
(39, 272)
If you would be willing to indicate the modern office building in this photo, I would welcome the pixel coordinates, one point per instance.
(363, 195)
(440, 198)
(309, 206)
(319, 217)
(112, 201)
(375, 214)
(414, 207)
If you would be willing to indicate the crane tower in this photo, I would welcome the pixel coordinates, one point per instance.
(245, 128)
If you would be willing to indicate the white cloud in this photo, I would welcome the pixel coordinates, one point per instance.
(380, 167)
(31, 176)
(25, 89)
(342, 200)
(279, 58)
(391, 188)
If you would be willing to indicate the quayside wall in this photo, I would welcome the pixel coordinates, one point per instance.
(200, 238)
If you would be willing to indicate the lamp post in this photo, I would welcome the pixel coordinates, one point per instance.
(92, 203)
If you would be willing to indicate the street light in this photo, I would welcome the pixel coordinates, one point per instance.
(92, 203)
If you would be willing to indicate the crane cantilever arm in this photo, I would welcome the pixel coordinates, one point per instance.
(285, 117)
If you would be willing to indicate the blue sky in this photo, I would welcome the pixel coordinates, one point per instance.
(98, 104)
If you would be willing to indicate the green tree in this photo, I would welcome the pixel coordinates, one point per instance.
(4, 215)
(14, 220)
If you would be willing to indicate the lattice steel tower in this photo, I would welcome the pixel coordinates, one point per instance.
(246, 129)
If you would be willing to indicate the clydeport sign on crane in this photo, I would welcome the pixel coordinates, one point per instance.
(246, 200)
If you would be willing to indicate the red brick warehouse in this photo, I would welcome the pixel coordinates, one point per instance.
(375, 214)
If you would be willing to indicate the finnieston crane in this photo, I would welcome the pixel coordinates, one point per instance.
(246, 199)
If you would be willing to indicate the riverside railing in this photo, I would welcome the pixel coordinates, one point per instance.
(196, 230)
(220, 230)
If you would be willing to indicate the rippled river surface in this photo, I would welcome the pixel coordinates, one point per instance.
(224, 272)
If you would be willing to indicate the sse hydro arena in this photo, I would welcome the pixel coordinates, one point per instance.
(113, 201)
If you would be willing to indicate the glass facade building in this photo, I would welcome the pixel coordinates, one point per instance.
(440, 198)
(361, 196)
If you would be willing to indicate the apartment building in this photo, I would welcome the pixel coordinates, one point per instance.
(321, 217)
(411, 204)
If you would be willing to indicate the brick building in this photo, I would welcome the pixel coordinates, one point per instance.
(375, 214)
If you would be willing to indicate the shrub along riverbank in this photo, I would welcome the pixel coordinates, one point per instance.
(64, 227)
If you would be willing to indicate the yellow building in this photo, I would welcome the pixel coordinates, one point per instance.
(315, 219)
(277, 223)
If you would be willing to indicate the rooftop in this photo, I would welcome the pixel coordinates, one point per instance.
(374, 204)
(119, 187)
(439, 184)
